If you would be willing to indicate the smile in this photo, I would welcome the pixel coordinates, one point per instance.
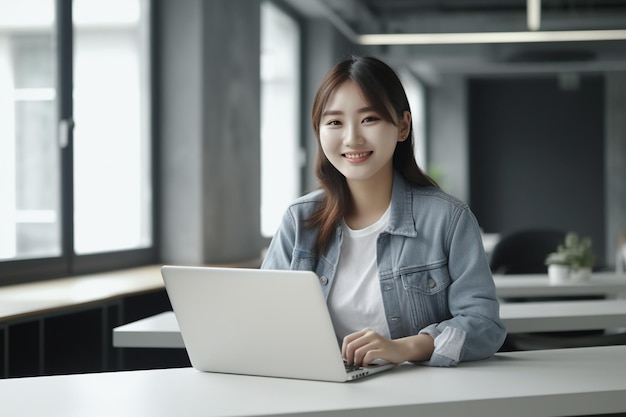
(357, 155)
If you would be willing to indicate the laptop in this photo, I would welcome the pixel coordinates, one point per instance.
(258, 322)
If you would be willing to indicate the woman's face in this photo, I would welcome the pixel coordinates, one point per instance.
(355, 138)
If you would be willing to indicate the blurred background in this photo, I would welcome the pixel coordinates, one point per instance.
(136, 132)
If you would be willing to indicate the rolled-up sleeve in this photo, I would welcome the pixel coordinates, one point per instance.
(475, 330)
(448, 345)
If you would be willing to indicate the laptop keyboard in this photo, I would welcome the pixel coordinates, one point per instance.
(353, 367)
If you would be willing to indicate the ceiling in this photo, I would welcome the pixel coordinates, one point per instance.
(359, 17)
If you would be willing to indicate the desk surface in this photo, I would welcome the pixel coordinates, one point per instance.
(538, 285)
(162, 330)
(563, 315)
(547, 383)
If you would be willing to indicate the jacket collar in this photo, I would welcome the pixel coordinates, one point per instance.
(402, 219)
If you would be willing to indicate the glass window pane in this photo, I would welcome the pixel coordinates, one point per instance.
(280, 117)
(112, 172)
(29, 153)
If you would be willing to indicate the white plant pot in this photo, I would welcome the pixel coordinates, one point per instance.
(580, 275)
(558, 274)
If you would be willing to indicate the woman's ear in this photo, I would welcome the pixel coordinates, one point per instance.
(405, 126)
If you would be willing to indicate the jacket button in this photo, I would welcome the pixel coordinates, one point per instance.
(431, 283)
(323, 280)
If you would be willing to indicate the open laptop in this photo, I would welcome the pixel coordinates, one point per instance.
(257, 322)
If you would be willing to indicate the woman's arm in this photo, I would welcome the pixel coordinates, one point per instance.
(475, 330)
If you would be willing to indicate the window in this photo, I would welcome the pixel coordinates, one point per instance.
(282, 157)
(112, 197)
(29, 155)
(75, 139)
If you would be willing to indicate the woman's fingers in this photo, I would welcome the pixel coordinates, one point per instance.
(348, 347)
(362, 347)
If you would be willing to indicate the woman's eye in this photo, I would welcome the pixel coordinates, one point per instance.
(370, 119)
(333, 123)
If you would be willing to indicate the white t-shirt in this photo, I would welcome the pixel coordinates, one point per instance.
(355, 301)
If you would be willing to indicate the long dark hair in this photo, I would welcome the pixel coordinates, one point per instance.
(383, 91)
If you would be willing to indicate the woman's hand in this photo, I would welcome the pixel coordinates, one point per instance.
(365, 346)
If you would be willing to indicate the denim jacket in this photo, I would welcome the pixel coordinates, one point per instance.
(434, 275)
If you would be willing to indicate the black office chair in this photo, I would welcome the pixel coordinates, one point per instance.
(525, 251)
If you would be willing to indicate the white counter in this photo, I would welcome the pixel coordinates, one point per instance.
(607, 284)
(538, 383)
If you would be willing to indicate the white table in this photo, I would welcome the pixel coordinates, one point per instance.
(563, 315)
(538, 383)
(162, 330)
(608, 284)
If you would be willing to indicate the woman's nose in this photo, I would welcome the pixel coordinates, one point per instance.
(353, 136)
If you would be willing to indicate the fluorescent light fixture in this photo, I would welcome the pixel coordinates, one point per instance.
(533, 14)
(490, 37)
(534, 35)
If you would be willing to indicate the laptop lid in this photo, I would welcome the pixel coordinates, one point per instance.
(256, 322)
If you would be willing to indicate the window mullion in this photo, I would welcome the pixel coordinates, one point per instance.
(65, 82)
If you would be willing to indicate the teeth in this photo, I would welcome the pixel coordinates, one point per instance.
(356, 155)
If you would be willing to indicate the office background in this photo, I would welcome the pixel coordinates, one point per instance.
(530, 135)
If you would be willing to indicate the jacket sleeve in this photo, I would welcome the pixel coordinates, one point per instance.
(475, 330)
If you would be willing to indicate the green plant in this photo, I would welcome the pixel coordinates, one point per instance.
(574, 252)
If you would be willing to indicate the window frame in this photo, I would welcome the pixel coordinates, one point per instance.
(69, 263)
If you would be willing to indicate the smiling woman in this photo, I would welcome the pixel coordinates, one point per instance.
(401, 263)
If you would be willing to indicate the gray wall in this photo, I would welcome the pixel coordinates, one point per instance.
(448, 146)
(209, 130)
(537, 154)
(447, 133)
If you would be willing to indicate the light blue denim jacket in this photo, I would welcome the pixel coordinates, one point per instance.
(434, 275)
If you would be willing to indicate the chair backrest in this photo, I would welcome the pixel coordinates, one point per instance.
(525, 251)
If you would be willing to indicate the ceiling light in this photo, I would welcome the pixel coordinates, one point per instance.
(490, 37)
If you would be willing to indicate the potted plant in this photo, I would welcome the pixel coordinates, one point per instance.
(572, 260)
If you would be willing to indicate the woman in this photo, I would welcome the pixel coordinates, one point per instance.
(400, 262)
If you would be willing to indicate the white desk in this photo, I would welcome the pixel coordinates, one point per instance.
(563, 315)
(537, 285)
(162, 330)
(538, 383)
